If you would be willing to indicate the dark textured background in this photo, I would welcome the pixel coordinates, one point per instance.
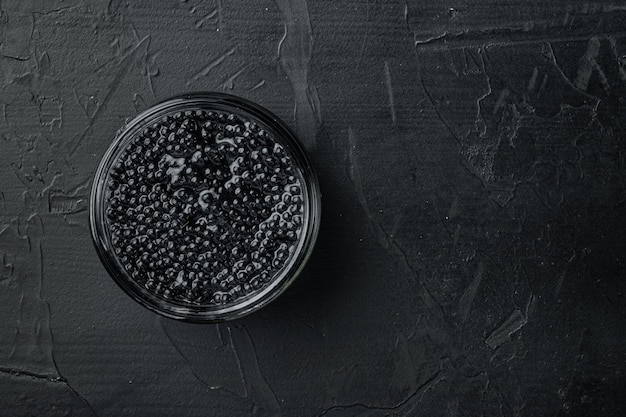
(472, 254)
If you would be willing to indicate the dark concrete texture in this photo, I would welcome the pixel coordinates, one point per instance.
(471, 260)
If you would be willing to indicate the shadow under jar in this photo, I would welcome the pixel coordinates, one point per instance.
(205, 207)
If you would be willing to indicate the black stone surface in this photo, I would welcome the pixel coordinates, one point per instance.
(471, 257)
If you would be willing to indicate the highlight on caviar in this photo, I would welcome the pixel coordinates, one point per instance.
(208, 205)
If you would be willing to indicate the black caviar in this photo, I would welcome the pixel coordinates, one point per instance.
(204, 207)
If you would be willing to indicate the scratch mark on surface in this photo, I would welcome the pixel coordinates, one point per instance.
(386, 240)
(431, 100)
(282, 40)
(229, 83)
(556, 65)
(69, 202)
(533, 80)
(220, 15)
(494, 36)
(113, 7)
(41, 377)
(392, 107)
(472, 66)
(362, 51)
(80, 104)
(124, 67)
(138, 102)
(587, 64)
(223, 332)
(182, 355)
(511, 325)
(4, 114)
(135, 33)
(404, 375)
(257, 387)
(149, 60)
(82, 78)
(559, 284)
(62, 204)
(191, 367)
(501, 99)
(621, 61)
(80, 397)
(7, 268)
(205, 71)
(206, 17)
(431, 304)
(294, 56)
(355, 176)
(480, 124)
(410, 401)
(544, 82)
(258, 85)
(467, 299)
(56, 11)
(406, 15)
(514, 323)
(419, 43)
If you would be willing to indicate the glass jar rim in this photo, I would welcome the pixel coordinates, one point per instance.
(257, 299)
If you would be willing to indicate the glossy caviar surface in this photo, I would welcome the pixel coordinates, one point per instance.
(204, 207)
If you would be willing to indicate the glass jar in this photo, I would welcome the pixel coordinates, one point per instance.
(231, 224)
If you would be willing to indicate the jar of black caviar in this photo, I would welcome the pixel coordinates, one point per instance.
(205, 207)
